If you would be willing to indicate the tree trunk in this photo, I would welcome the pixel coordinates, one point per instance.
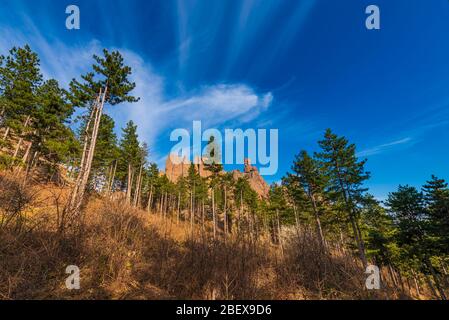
(150, 199)
(138, 184)
(213, 214)
(202, 215)
(354, 224)
(179, 208)
(318, 223)
(77, 194)
(129, 184)
(279, 231)
(432, 288)
(192, 215)
(436, 280)
(225, 214)
(6, 133)
(25, 125)
(112, 178)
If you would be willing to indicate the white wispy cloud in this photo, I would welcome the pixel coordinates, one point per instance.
(383, 147)
(214, 104)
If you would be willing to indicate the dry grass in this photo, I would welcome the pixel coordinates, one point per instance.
(124, 253)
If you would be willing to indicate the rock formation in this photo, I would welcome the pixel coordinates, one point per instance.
(176, 167)
(256, 181)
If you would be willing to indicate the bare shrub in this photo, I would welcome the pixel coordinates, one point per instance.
(322, 274)
(115, 240)
(201, 268)
(15, 197)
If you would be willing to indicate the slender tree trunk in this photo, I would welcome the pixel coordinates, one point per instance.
(392, 275)
(432, 288)
(112, 178)
(25, 157)
(5, 135)
(150, 198)
(436, 280)
(202, 215)
(318, 222)
(279, 231)
(77, 195)
(25, 125)
(213, 214)
(192, 216)
(241, 209)
(354, 223)
(161, 203)
(418, 291)
(129, 185)
(27, 152)
(165, 204)
(225, 214)
(138, 184)
(179, 207)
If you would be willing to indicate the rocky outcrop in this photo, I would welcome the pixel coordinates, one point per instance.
(176, 167)
(256, 181)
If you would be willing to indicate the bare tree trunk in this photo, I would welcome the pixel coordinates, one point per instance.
(6, 133)
(25, 157)
(354, 223)
(240, 211)
(202, 215)
(161, 203)
(16, 151)
(318, 223)
(165, 204)
(150, 199)
(418, 291)
(77, 194)
(27, 152)
(279, 231)
(138, 184)
(130, 183)
(432, 288)
(393, 277)
(437, 281)
(225, 214)
(112, 178)
(213, 213)
(179, 207)
(192, 215)
(296, 221)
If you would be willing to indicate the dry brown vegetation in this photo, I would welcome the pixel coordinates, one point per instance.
(125, 253)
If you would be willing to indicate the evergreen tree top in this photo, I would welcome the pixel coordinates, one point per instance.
(109, 72)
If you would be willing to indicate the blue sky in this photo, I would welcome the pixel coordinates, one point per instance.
(296, 66)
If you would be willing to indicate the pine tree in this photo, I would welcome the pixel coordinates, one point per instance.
(436, 197)
(130, 157)
(107, 84)
(278, 211)
(346, 176)
(381, 245)
(407, 205)
(50, 137)
(214, 166)
(311, 178)
(20, 78)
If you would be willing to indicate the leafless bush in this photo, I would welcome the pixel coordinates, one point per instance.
(206, 269)
(115, 239)
(322, 273)
(15, 197)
